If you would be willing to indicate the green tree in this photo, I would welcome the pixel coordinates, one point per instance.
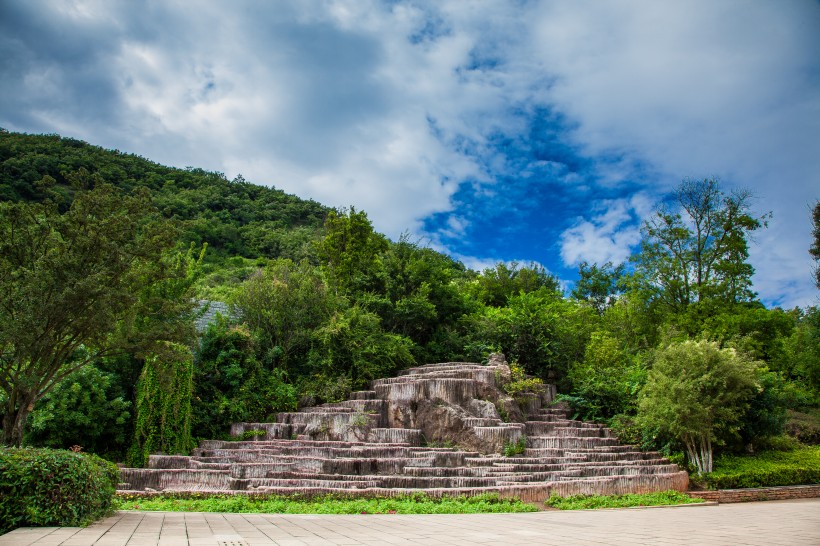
(67, 281)
(351, 253)
(598, 285)
(700, 250)
(497, 284)
(230, 384)
(607, 381)
(86, 408)
(283, 304)
(697, 393)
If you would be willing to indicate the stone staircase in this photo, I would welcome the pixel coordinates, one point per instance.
(435, 428)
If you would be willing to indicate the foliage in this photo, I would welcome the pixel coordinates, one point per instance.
(46, 487)
(351, 253)
(496, 285)
(519, 382)
(233, 217)
(341, 504)
(283, 304)
(67, 282)
(540, 330)
(697, 393)
(163, 408)
(593, 502)
(352, 343)
(88, 409)
(607, 381)
(765, 469)
(511, 449)
(700, 251)
(598, 286)
(231, 385)
(805, 427)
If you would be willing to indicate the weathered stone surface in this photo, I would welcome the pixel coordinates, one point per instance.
(440, 427)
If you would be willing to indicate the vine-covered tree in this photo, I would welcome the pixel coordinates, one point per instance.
(67, 281)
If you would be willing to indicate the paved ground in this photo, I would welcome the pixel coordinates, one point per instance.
(759, 523)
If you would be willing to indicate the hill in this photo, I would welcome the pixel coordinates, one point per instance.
(234, 217)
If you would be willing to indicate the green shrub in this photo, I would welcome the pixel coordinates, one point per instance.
(511, 449)
(592, 502)
(41, 487)
(766, 469)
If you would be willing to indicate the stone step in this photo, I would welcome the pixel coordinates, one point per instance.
(568, 442)
(363, 395)
(372, 444)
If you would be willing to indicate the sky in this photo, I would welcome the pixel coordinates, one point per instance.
(527, 131)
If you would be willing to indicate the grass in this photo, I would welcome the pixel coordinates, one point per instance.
(592, 502)
(766, 469)
(416, 504)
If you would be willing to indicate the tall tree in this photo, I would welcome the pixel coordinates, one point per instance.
(351, 253)
(700, 249)
(67, 281)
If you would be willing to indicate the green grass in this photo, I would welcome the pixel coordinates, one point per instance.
(766, 469)
(592, 502)
(417, 504)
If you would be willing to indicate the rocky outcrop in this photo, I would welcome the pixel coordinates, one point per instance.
(436, 427)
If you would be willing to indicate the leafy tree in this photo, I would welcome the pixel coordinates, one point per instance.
(353, 344)
(607, 381)
(67, 281)
(697, 393)
(86, 408)
(283, 304)
(496, 285)
(351, 253)
(598, 285)
(700, 251)
(230, 384)
(540, 330)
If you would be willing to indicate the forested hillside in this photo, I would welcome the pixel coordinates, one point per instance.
(322, 304)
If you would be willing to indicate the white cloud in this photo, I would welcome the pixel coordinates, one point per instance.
(609, 236)
(389, 106)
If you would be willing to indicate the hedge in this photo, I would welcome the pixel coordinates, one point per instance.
(44, 487)
(768, 469)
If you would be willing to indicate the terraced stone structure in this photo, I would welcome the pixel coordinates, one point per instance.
(436, 428)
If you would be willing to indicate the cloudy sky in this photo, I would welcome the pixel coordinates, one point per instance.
(492, 130)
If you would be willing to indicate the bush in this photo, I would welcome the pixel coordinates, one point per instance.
(41, 487)
(767, 469)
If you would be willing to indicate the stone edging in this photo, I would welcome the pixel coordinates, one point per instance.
(759, 493)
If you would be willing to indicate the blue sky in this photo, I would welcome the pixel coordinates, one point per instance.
(521, 131)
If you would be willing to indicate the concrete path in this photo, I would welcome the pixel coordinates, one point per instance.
(759, 523)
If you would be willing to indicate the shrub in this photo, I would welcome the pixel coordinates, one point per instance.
(53, 487)
(511, 449)
(592, 502)
(767, 469)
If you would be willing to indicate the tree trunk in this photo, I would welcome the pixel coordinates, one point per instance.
(14, 422)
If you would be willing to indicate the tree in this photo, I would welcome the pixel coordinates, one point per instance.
(598, 285)
(699, 252)
(66, 283)
(697, 393)
(283, 304)
(607, 381)
(350, 252)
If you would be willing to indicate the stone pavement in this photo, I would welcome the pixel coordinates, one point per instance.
(792, 522)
